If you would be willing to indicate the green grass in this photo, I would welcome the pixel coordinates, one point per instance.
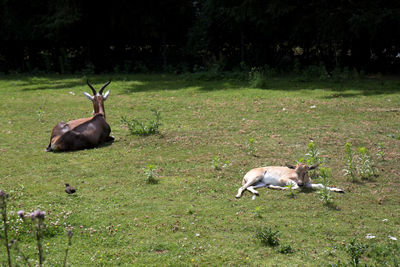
(191, 216)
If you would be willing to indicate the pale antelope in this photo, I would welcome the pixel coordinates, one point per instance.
(279, 177)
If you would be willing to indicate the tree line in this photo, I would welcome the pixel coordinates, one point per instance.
(67, 36)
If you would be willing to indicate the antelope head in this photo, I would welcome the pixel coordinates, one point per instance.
(302, 173)
(98, 98)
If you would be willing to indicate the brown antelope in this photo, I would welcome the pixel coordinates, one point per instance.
(277, 177)
(86, 132)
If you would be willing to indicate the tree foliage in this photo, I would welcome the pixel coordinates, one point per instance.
(70, 35)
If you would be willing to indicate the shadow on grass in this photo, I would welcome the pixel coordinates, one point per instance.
(332, 206)
(109, 143)
(164, 82)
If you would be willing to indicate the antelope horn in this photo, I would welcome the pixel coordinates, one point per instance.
(91, 87)
(104, 86)
(290, 166)
(313, 167)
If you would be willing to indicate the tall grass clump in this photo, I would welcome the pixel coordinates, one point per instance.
(143, 128)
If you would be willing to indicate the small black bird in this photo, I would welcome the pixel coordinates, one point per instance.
(69, 189)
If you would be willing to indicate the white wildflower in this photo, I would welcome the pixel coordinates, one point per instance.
(392, 238)
(369, 236)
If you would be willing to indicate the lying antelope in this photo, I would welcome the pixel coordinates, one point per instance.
(86, 132)
(277, 177)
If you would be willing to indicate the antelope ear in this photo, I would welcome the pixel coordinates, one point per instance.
(106, 95)
(89, 96)
(313, 167)
(290, 166)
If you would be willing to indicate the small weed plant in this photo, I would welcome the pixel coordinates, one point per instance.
(258, 212)
(350, 168)
(360, 163)
(291, 193)
(251, 147)
(40, 114)
(312, 157)
(286, 249)
(146, 128)
(268, 237)
(260, 77)
(366, 169)
(150, 173)
(325, 194)
(355, 250)
(381, 152)
(219, 164)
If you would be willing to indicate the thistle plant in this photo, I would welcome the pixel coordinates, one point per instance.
(36, 220)
(257, 212)
(251, 148)
(325, 194)
(366, 169)
(268, 237)
(291, 190)
(141, 128)
(14, 244)
(355, 250)
(3, 207)
(381, 151)
(219, 164)
(312, 157)
(350, 169)
(69, 235)
(40, 114)
(150, 173)
(286, 249)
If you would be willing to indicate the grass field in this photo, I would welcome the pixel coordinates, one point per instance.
(191, 216)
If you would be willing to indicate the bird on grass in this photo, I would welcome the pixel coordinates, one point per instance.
(69, 189)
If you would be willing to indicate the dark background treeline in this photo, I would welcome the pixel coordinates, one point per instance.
(68, 36)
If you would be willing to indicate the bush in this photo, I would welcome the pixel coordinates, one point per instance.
(259, 77)
(268, 237)
(144, 128)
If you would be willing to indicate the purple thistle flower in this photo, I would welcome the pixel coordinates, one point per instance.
(42, 215)
(32, 215)
(38, 214)
(70, 233)
(21, 214)
(3, 194)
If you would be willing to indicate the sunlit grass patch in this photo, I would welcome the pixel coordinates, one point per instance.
(211, 131)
